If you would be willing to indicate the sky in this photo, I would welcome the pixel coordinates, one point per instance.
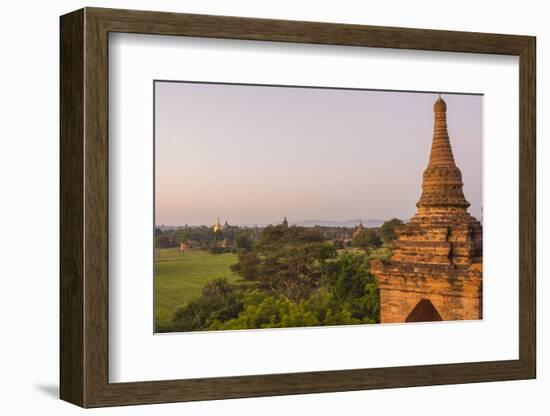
(255, 154)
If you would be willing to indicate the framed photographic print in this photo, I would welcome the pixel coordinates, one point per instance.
(255, 207)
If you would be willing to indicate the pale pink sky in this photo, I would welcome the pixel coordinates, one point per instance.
(254, 154)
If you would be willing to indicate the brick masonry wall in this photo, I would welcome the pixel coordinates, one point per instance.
(455, 296)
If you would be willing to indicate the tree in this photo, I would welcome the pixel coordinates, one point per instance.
(286, 261)
(292, 271)
(278, 235)
(180, 236)
(165, 240)
(243, 243)
(219, 301)
(353, 287)
(387, 230)
(367, 239)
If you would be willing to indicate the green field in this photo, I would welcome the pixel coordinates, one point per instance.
(179, 277)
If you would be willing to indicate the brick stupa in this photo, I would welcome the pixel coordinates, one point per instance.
(435, 270)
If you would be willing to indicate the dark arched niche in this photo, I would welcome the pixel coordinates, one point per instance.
(424, 311)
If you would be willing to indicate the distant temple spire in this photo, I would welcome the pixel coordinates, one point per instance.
(359, 229)
(442, 180)
(285, 222)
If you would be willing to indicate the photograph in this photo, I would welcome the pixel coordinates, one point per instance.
(286, 206)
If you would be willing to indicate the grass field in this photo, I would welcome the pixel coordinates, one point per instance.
(179, 277)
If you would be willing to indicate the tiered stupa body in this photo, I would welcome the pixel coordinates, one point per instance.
(435, 271)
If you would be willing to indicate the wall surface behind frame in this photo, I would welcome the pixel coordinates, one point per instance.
(29, 102)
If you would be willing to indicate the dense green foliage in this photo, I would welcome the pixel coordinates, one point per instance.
(290, 276)
(348, 296)
(219, 301)
(350, 283)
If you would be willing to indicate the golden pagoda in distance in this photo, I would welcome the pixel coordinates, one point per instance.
(435, 270)
(217, 227)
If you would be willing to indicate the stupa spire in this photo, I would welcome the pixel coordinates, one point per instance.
(441, 153)
(442, 185)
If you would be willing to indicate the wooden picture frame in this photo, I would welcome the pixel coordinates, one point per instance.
(84, 207)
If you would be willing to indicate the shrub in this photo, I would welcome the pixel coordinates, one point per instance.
(387, 230)
(219, 301)
(367, 239)
(218, 250)
(349, 281)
